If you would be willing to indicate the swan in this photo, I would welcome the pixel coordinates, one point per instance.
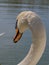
(25, 20)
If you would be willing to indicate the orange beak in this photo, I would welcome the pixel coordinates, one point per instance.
(17, 36)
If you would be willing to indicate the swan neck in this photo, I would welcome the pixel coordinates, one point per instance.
(38, 45)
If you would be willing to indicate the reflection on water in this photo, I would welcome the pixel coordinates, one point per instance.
(10, 53)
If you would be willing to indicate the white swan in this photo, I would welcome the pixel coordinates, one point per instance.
(31, 20)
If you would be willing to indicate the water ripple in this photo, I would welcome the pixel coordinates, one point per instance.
(22, 5)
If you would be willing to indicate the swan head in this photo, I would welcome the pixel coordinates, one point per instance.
(20, 27)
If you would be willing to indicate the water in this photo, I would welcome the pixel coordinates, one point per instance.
(10, 53)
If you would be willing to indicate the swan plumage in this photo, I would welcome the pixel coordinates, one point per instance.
(29, 19)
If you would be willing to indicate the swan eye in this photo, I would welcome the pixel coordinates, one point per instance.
(16, 24)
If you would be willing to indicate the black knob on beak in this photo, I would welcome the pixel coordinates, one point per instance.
(16, 24)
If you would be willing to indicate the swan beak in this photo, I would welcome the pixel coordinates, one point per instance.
(17, 36)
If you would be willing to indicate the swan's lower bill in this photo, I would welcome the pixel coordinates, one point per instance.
(17, 36)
